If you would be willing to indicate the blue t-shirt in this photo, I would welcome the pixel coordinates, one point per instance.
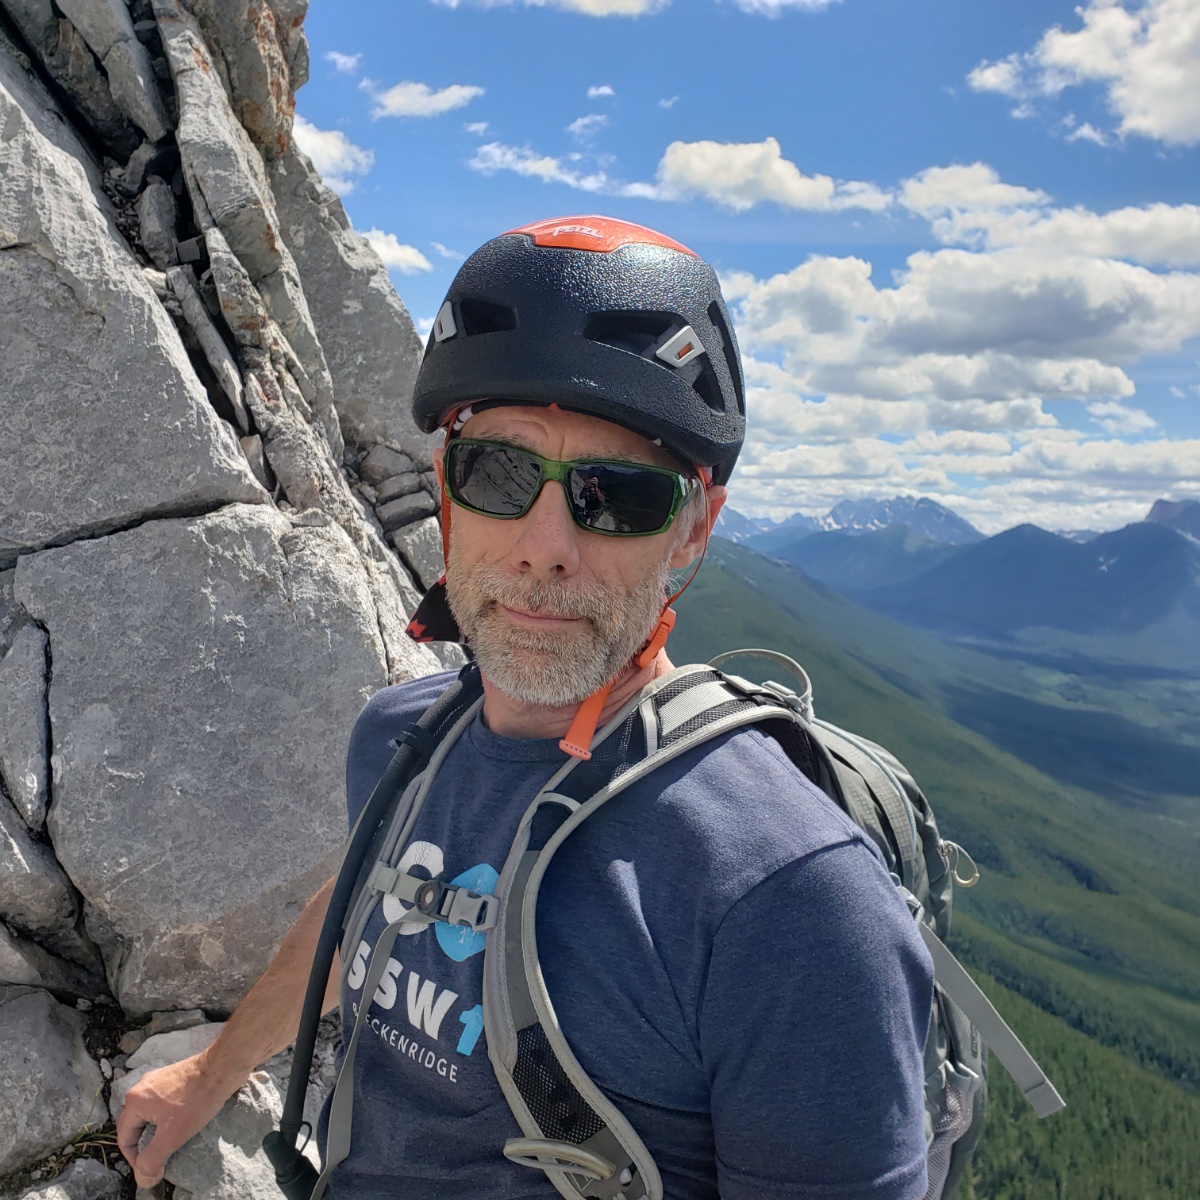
(725, 950)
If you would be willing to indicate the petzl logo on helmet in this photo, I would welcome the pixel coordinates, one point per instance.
(600, 234)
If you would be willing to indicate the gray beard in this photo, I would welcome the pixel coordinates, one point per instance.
(551, 668)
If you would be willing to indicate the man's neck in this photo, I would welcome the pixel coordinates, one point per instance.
(512, 718)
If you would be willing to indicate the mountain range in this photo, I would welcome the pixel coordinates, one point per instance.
(1131, 595)
(926, 518)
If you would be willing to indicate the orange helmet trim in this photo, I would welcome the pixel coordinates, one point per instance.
(601, 234)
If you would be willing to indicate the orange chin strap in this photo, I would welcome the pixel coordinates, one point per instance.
(578, 739)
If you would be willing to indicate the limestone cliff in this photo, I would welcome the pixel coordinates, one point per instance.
(215, 519)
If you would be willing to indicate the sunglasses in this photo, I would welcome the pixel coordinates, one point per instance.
(621, 499)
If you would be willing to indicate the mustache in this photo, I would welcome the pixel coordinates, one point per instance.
(544, 596)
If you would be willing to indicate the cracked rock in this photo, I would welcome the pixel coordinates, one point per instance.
(398, 485)
(84, 1179)
(80, 320)
(382, 463)
(371, 346)
(107, 28)
(24, 754)
(49, 1086)
(156, 222)
(35, 895)
(224, 1159)
(420, 545)
(405, 510)
(25, 962)
(231, 184)
(194, 831)
(65, 54)
(254, 39)
(183, 283)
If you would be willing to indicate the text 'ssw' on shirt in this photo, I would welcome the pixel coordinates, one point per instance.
(725, 950)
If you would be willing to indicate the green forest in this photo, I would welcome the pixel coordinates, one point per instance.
(1085, 926)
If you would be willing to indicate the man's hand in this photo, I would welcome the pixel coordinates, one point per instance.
(181, 1099)
(178, 1101)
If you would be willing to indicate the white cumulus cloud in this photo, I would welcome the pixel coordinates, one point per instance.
(521, 160)
(739, 175)
(336, 158)
(346, 63)
(395, 255)
(409, 99)
(970, 205)
(603, 89)
(961, 328)
(1146, 56)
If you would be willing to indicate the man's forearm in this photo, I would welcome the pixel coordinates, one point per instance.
(269, 1016)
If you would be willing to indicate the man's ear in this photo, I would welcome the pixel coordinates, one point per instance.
(690, 549)
(439, 467)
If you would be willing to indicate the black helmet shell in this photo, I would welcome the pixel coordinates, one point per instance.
(596, 315)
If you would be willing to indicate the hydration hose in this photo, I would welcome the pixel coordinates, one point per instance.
(294, 1174)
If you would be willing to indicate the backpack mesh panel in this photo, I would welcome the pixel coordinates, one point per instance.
(705, 718)
(560, 1111)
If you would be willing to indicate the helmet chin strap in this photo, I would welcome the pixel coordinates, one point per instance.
(578, 739)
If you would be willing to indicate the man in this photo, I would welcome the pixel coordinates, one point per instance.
(725, 951)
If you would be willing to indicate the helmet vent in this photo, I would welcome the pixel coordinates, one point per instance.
(483, 316)
(635, 332)
(731, 359)
(709, 390)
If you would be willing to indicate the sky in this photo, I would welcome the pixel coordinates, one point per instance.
(960, 242)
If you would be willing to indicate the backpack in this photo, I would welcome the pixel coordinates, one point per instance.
(572, 1131)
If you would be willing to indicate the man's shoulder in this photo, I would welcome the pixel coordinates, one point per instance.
(734, 810)
(393, 708)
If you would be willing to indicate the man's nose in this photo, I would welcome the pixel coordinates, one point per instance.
(548, 539)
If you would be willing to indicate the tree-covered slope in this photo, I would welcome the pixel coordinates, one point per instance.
(1079, 891)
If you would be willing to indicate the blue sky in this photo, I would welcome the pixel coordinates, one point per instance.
(961, 241)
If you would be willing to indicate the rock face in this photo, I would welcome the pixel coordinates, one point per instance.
(23, 734)
(166, 638)
(371, 346)
(84, 1179)
(104, 420)
(49, 1085)
(216, 518)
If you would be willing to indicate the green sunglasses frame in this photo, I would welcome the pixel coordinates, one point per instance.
(554, 470)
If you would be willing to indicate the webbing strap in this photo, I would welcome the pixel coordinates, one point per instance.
(341, 1107)
(885, 787)
(538, 1072)
(398, 831)
(953, 979)
(687, 706)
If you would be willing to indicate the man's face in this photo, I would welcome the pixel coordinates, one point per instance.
(554, 611)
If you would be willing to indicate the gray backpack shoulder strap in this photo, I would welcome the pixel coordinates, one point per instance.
(572, 1131)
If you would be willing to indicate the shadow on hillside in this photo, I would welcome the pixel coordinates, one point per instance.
(1102, 752)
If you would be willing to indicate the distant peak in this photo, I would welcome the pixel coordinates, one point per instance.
(1183, 515)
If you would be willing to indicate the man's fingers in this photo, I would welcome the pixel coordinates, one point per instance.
(129, 1131)
(153, 1152)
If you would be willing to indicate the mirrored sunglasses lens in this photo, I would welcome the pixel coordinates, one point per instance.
(496, 480)
(615, 499)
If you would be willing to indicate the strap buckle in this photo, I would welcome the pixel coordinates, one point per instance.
(437, 899)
